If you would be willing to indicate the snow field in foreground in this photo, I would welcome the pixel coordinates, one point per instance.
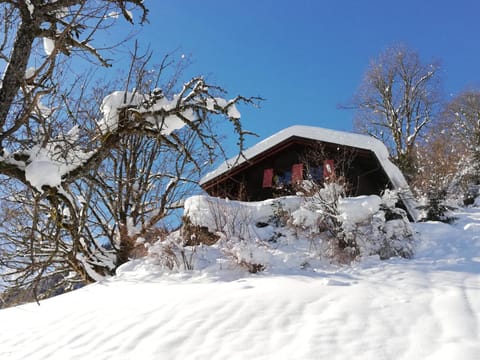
(424, 308)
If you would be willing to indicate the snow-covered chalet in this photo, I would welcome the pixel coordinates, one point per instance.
(278, 165)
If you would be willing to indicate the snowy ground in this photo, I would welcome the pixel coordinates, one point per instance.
(425, 308)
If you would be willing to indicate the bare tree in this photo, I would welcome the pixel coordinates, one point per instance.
(55, 152)
(437, 161)
(462, 117)
(37, 38)
(396, 102)
(449, 159)
(143, 181)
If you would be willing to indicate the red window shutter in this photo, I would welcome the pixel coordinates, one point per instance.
(297, 173)
(328, 169)
(267, 178)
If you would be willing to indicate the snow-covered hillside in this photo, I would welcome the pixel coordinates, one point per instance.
(427, 307)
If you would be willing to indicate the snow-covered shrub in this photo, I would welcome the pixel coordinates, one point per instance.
(381, 229)
(134, 245)
(172, 253)
(472, 195)
(295, 232)
(437, 208)
(387, 238)
(240, 231)
(320, 218)
(196, 234)
(249, 254)
(279, 215)
(164, 254)
(476, 198)
(219, 216)
(353, 227)
(238, 240)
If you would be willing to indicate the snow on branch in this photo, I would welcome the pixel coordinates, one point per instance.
(61, 160)
(159, 115)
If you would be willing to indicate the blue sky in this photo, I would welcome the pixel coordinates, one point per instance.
(306, 57)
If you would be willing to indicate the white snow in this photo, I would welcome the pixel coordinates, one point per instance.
(129, 14)
(30, 72)
(30, 6)
(48, 46)
(157, 114)
(233, 112)
(46, 166)
(210, 104)
(110, 105)
(113, 15)
(41, 109)
(424, 308)
(43, 171)
(359, 209)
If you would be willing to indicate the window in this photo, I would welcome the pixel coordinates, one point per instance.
(315, 173)
(283, 178)
(280, 178)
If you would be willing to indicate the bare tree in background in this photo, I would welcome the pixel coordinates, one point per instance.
(462, 118)
(58, 157)
(396, 102)
(449, 161)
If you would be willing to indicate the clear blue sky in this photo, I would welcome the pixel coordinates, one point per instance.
(306, 57)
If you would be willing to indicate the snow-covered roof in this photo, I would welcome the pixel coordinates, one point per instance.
(325, 135)
(315, 133)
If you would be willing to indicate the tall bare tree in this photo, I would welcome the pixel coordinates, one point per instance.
(397, 100)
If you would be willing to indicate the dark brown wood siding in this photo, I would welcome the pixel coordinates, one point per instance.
(361, 169)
